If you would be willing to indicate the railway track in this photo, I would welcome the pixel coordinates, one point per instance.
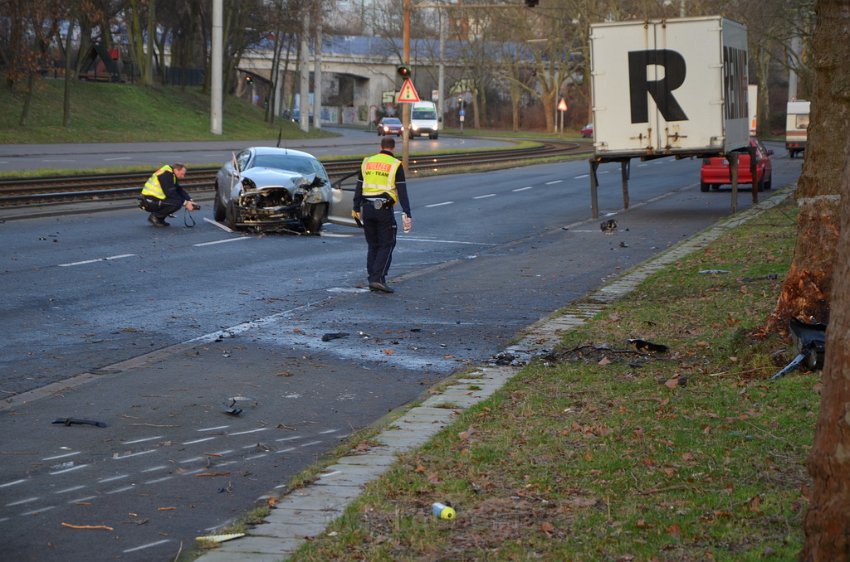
(25, 192)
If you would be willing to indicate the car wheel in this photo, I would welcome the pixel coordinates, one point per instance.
(313, 222)
(219, 211)
(704, 187)
(434, 136)
(230, 215)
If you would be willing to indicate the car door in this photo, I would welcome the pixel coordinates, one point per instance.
(342, 200)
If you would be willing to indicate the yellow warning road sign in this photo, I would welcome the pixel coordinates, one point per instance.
(408, 93)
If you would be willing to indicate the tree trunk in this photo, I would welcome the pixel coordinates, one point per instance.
(827, 175)
(807, 289)
(25, 110)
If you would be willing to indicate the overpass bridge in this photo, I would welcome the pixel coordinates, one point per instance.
(358, 75)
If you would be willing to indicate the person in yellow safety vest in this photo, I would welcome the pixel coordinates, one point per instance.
(163, 195)
(380, 186)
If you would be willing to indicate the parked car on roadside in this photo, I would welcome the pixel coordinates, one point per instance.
(390, 126)
(715, 170)
(587, 131)
(268, 189)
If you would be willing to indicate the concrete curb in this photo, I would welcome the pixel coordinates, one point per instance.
(306, 512)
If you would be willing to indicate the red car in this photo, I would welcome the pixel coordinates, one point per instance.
(390, 126)
(587, 131)
(715, 170)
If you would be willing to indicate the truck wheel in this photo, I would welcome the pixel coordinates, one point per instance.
(435, 136)
(704, 187)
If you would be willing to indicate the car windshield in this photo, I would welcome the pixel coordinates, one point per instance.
(424, 114)
(392, 121)
(287, 162)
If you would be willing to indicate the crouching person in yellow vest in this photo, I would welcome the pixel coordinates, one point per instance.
(162, 194)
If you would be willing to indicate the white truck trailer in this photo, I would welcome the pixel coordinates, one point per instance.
(669, 87)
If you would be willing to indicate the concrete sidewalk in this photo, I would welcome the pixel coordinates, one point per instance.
(306, 512)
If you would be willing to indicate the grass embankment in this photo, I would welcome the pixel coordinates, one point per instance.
(127, 113)
(599, 452)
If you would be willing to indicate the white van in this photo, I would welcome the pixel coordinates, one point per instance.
(424, 120)
(796, 127)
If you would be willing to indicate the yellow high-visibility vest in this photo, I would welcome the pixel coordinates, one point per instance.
(379, 175)
(152, 186)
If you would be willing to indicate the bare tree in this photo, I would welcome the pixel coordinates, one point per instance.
(823, 195)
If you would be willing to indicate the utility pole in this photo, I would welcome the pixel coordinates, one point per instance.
(405, 111)
(317, 71)
(215, 68)
(303, 106)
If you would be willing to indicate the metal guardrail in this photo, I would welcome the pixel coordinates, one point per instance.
(23, 192)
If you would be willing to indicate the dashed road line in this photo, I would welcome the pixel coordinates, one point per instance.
(439, 204)
(248, 431)
(310, 444)
(129, 455)
(36, 511)
(553, 182)
(64, 470)
(225, 241)
(13, 483)
(62, 456)
(71, 489)
(158, 480)
(293, 438)
(144, 546)
(213, 428)
(485, 196)
(201, 440)
(526, 188)
(193, 459)
(83, 499)
(22, 502)
(113, 478)
(85, 262)
(120, 490)
(254, 457)
(154, 468)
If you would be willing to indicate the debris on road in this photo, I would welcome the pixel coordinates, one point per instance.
(78, 421)
(334, 336)
(88, 527)
(608, 227)
(810, 340)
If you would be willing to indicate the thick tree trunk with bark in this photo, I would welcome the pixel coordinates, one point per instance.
(817, 284)
(807, 289)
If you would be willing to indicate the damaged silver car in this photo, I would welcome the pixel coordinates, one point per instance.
(267, 189)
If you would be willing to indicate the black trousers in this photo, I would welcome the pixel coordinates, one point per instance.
(161, 208)
(380, 227)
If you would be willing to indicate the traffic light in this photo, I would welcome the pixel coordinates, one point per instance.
(403, 71)
(531, 3)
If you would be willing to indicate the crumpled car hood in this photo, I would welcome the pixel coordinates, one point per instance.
(273, 177)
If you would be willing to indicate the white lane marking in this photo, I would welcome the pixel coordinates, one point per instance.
(149, 545)
(213, 428)
(201, 440)
(116, 158)
(221, 453)
(485, 196)
(335, 235)
(311, 443)
(293, 438)
(119, 490)
(249, 431)
(288, 449)
(4, 519)
(35, 511)
(61, 456)
(346, 290)
(581, 177)
(117, 457)
(56, 160)
(526, 188)
(605, 172)
(84, 262)
(193, 459)
(439, 204)
(142, 440)
(553, 182)
(325, 432)
(112, 478)
(218, 224)
(259, 456)
(191, 472)
(154, 468)
(71, 489)
(78, 467)
(158, 480)
(21, 502)
(644, 165)
(214, 242)
(13, 483)
(83, 499)
(228, 463)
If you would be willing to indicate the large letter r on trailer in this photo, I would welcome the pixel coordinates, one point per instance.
(660, 90)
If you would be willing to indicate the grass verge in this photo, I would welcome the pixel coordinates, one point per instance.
(601, 452)
(129, 113)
